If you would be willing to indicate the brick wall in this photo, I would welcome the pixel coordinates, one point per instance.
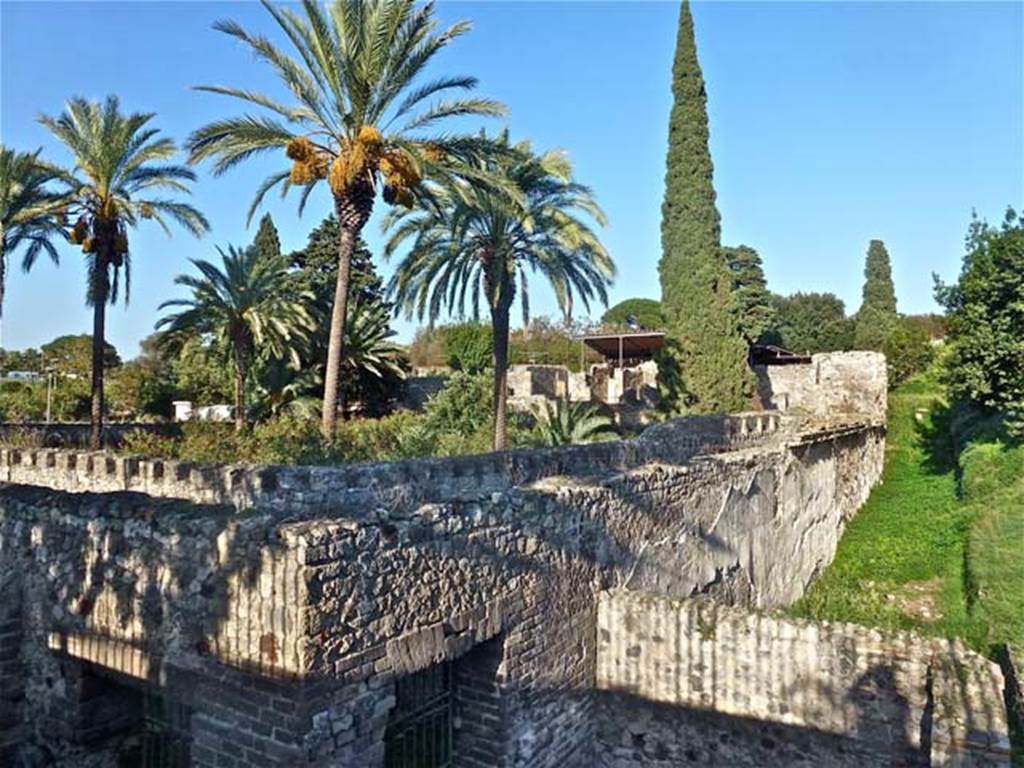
(675, 675)
(480, 717)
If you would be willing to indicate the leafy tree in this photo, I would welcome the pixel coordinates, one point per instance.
(73, 355)
(749, 291)
(359, 122)
(135, 389)
(468, 346)
(199, 371)
(428, 348)
(20, 360)
(462, 406)
(281, 387)
(908, 351)
(121, 174)
(877, 316)
(809, 323)
(695, 285)
(565, 423)
(246, 307)
(646, 311)
(31, 210)
(546, 341)
(482, 242)
(932, 325)
(985, 311)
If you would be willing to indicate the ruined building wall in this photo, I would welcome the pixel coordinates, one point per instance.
(833, 382)
(693, 681)
(283, 606)
(346, 603)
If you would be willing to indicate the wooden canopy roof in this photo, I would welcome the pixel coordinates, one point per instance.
(634, 345)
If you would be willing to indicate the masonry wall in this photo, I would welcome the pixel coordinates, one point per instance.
(693, 681)
(833, 382)
(281, 604)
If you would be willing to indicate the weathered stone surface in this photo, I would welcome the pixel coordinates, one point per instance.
(833, 382)
(280, 605)
(695, 681)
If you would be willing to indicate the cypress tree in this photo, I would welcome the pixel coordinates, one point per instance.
(708, 349)
(266, 239)
(877, 316)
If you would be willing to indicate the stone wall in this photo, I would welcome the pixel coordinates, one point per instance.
(281, 606)
(12, 674)
(691, 681)
(833, 382)
(358, 488)
(345, 602)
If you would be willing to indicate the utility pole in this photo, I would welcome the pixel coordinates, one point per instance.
(50, 384)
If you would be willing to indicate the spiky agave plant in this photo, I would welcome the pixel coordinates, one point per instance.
(360, 121)
(566, 423)
(31, 210)
(121, 165)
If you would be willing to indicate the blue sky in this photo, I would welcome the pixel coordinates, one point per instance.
(831, 124)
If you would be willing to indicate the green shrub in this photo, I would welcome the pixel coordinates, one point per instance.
(469, 347)
(985, 311)
(463, 407)
(908, 351)
(142, 442)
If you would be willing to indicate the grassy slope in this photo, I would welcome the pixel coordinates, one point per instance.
(993, 491)
(905, 548)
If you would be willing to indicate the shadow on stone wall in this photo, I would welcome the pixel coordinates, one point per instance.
(634, 732)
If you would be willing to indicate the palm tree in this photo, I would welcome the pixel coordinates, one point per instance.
(372, 359)
(119, 163)
(358, 121)
(482, 241)
(248, 304)
(566, 423)
(30, 209)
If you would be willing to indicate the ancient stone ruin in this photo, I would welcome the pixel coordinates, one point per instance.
(599, 605)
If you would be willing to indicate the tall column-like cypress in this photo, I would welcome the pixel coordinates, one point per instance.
(695, 287)
(877, 316)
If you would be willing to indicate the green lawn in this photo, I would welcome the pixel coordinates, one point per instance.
(900, 563)
(993, 491)
(939, 546)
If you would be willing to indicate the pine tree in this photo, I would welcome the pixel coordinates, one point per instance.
(754, 309)
(266, 239)
(709, 351)
(877, 316)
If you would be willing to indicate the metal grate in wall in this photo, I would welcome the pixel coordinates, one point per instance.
(165, 733)
(419, 730)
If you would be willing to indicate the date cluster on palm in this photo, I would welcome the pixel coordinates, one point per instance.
(81, 235)
(359, 158)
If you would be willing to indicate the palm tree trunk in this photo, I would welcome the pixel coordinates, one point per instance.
(353, 209)
(499, 325)
(99, 316)
(3, 272)
(240, 371)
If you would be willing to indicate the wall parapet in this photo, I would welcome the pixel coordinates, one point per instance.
(303, 490)
(856, 695)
